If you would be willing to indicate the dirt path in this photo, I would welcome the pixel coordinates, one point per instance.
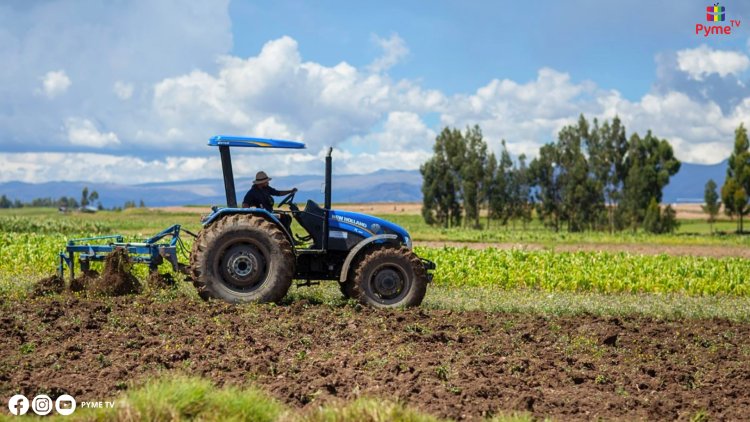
(463, 365)
(720, 251)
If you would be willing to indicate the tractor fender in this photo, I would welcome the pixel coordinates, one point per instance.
(357, 248)
(260, 212)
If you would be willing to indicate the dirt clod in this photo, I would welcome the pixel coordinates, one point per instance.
(161, 281)
(49, 285)
(116, 280)
(79, 283)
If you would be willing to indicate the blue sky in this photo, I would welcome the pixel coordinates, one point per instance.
(611, 43)
(98, 87)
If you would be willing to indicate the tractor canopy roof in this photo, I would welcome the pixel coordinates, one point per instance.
(240, 141)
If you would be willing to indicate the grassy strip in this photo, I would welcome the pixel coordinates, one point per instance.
(488, 299)
(181, 398)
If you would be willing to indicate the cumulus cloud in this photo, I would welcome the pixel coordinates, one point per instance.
(89, 47)
(703, 61)
(83, 132)
(46, 166)
(278, 94)
(394, 50)
(158, 120)
(55, 83)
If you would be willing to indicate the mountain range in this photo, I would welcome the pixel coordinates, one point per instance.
(381, 186)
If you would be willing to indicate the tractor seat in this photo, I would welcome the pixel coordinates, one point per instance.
(311, 219)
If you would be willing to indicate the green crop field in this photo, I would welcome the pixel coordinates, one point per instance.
(30, 240)
(502, 281)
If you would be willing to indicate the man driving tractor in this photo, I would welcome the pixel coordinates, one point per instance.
(261, 196)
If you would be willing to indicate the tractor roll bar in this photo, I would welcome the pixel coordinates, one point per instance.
(226, 169)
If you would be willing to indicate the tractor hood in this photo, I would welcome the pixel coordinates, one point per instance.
(367, 225)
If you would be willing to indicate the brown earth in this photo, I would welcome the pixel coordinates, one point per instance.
(463, 365)
(116, 280)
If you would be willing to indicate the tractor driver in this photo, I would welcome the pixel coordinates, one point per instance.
(260, 196)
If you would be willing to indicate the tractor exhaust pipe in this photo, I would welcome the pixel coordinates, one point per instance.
(327, 203)
(328, 180)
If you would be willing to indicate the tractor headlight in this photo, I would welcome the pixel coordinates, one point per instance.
(407, 241)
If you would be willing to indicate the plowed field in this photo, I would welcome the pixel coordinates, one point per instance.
(463, 365)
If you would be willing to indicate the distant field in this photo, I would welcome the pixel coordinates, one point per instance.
(684, 211)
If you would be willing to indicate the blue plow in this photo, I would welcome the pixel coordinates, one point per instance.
(152, 251)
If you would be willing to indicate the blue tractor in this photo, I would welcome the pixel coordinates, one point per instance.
(248, 255)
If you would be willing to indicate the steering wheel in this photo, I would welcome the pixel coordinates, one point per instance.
(288, 200)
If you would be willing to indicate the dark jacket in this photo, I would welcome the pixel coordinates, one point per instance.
(261, 197)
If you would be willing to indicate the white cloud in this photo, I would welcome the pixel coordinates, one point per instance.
(123, 90)
(32, 167)
(704, 61)
(394, 49)
(137, 42)
(83, 132)
(55, 83)
(41, 167)
(192, 89)
(279, 95)
(530, 114)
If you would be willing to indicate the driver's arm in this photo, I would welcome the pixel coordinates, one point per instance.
(275, 192)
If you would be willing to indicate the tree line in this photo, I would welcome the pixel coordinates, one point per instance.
(88, 198)
(593, 177)
(735, 192)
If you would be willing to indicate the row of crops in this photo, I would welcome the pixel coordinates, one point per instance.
(29, 255)
(16, 224)
(589, 271)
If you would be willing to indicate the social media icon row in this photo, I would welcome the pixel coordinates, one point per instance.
(42, 405)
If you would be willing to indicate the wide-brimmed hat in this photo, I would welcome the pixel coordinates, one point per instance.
(261, 177)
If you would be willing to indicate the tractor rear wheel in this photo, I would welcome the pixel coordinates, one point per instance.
(241, 258)
(389, 277)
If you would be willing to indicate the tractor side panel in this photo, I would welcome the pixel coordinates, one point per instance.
(341, 240)
(344, 236)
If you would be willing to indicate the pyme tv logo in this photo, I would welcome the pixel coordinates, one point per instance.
(716, 13)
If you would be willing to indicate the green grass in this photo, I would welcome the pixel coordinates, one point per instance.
(182, 398)
(527, 301)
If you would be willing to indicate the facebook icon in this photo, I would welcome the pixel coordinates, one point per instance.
(18, 405)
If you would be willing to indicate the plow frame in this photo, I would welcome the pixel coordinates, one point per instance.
(150, 252)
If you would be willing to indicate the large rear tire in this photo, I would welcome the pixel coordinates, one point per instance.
(390, 277)
(242, 258)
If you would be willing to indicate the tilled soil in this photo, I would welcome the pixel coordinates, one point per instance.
(116, 280)
(462, 365)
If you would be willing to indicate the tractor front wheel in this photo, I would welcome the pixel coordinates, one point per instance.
(241, 258)
(389, 277)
